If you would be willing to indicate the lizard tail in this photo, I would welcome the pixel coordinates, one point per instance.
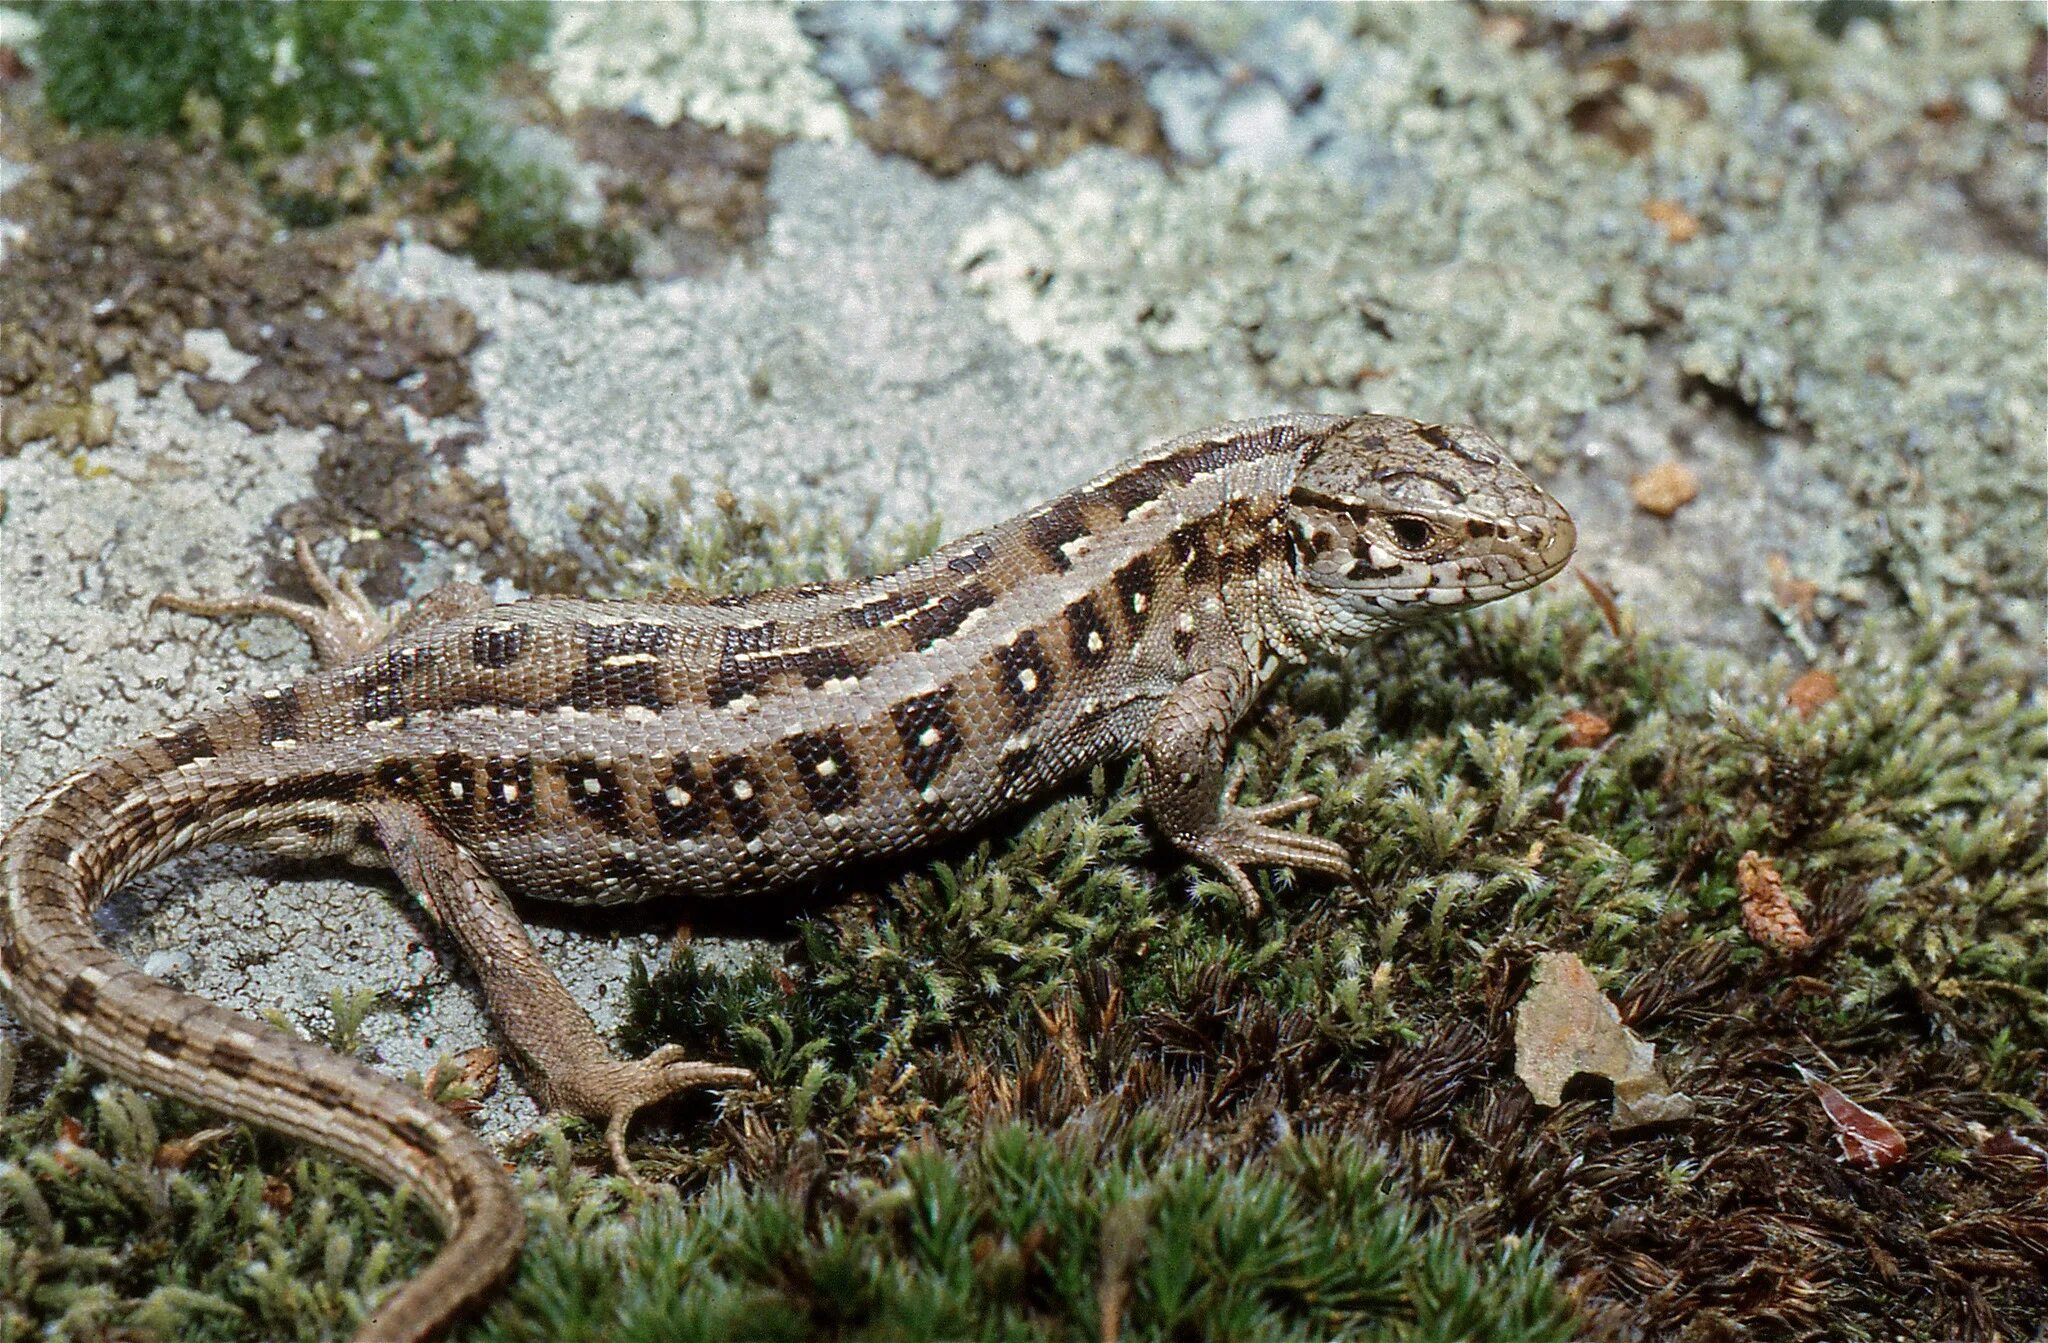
(70, 850)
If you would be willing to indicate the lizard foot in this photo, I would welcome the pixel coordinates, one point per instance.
(1241, 838)
(616, 1090)
(345, 623)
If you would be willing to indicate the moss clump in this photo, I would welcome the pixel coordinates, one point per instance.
(329, 103)
(1030, 1234)
(287, 73)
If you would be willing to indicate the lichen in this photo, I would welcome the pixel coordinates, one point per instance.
(738, 67)
(1478, 226)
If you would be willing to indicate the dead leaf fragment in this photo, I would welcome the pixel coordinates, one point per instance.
(2009, 1142)
(1603, 599)
(1679, 224)
(1767, 913)
(178, 1153)
(1582, 728)
(1665, 488)
(1565, 1026)
(277, 1194)
(460, 1082)
(1869, 1141)
(1791, 592)
(1813, 689)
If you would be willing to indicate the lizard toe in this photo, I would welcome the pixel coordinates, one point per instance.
(616, 1090)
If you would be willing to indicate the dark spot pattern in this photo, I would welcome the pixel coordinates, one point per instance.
(1361, 570)
(1210, 457)
(1137, 487)
(455, 782)
(188, 744)
(736, 675)
(413, 1134)
(322, 1092)
(54, 849)
(508, 791)
(1136, 583)
(875, 614)
(1050, 531)
(680, 810)
(384, 684)
(1088, 635)
(748, 661)
(79, 997)
(825, 768)
(498, 645)
(944, 617)
(740, 790)
(596, 688)
(1015, 769)
(231, 1059)
(315, 827)
(929, 734)
(1437, 436)
(277, 716)
(1025, 675)
(974, 561)
(621, 666)
(625, 639)
(595, 795)
(1393, 478)
(1195, 553)
(161, 1041)
(1242, 566)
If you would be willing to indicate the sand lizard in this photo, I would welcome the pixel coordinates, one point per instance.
(606, 752)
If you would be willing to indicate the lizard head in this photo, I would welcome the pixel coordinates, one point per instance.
(1396, 520)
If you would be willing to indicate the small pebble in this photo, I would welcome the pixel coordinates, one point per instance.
(1665, 488)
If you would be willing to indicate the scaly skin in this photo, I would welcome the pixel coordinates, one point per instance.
(605, 752)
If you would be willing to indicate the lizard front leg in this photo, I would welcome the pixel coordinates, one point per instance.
(1185, 751)
(567, 1062)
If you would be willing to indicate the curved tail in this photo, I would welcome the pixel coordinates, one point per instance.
(130, 811)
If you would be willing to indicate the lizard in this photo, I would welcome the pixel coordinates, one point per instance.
(605, 752)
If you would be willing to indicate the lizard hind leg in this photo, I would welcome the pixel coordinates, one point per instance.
(567, 1063)
(345, 623)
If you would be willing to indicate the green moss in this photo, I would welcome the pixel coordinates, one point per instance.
(276, 81)
(287, 72)
(1019, 1236)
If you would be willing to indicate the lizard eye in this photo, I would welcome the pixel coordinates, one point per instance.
(1412, 532)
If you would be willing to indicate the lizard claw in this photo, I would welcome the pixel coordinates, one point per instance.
(1241, 838)
(345, 623)
(615, 1091)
